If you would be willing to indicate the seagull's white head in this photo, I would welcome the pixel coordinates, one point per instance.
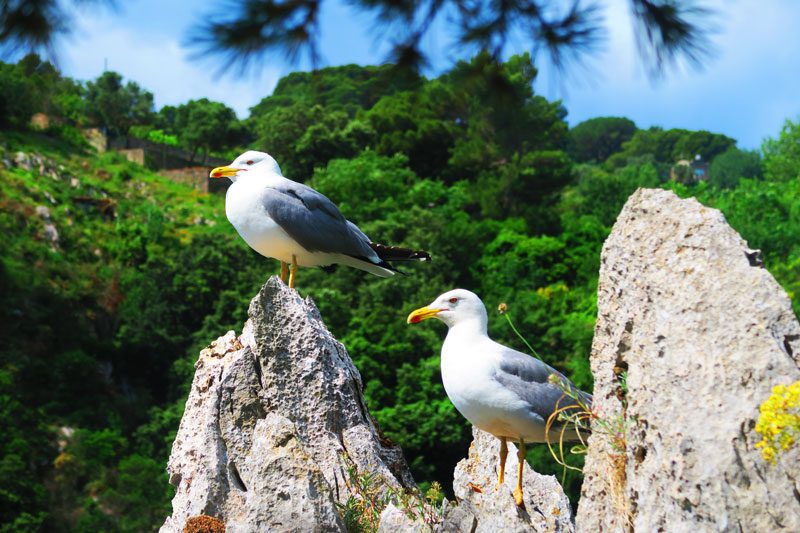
(248, 161)
(453, 307)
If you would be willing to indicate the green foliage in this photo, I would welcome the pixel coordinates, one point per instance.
(480, 115)
(199, 125)
(734, 164)
(524, 186)
(24, 447)
(369, 496)
(117, 107)
(361, 512)
(594, 140)
(16, 96)
(310, 118)
(346, 88)
(154, 135)
(79, 352)
(668, 146)
(53, 94)
(782, 155)
(499, 115)
(36, 86)
(614, 188)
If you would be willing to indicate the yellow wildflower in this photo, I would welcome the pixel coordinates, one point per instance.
(779, 421)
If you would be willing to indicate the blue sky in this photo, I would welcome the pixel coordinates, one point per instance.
(747, 90)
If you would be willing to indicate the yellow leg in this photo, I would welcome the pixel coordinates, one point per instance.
(293, 273)
(284, 271)
(503, 454)
(521, 460)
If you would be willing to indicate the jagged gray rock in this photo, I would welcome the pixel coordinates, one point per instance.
(273, 423)
(705, 332)
(546, 506)
(480, 508)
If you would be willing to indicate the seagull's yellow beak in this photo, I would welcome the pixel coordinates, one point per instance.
(224, 172)
(423, 313)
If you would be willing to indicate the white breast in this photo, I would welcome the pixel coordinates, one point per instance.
(246, 213)
(469, 365)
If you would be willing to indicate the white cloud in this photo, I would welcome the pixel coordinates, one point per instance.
(159, 63)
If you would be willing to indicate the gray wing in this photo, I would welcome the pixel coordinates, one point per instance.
(314, 221)
(527, 377)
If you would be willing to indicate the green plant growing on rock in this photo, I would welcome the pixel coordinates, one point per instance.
(429, 509)
(613, 429)
(369, 496)
(361, 512)
(779, 421)
(568, 416)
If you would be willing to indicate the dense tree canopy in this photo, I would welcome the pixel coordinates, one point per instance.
(734, 164)
(202, 125)
(117, 107)
(782, 155)
(594, 140)
(16, 96)
(666, 147)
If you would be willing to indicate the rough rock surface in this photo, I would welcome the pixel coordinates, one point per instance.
(273, 423)
(546, 506)
(705, 332)
(482, 509)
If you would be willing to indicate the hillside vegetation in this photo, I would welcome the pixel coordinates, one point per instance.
(113, 277)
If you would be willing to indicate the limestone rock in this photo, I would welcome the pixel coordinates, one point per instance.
(546, 506)
(34, 161)
(459, 518)
(274, 422)
(394, 520)
(49, 230)
(704, 332)
(482, 509)
(23, 161)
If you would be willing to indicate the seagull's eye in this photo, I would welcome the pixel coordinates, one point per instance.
(453, 300)
(250, 162)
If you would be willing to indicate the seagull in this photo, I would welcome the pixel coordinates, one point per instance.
(295, 224)
(499, 390)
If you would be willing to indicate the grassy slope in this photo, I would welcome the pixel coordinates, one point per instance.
(89, 323)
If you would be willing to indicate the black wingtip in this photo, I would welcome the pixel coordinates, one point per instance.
(396, 253)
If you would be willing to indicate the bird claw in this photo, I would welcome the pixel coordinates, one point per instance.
(518, 498)
(474, 487)
(498, 486)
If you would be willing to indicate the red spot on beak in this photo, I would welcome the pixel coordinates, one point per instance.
(415, 319)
